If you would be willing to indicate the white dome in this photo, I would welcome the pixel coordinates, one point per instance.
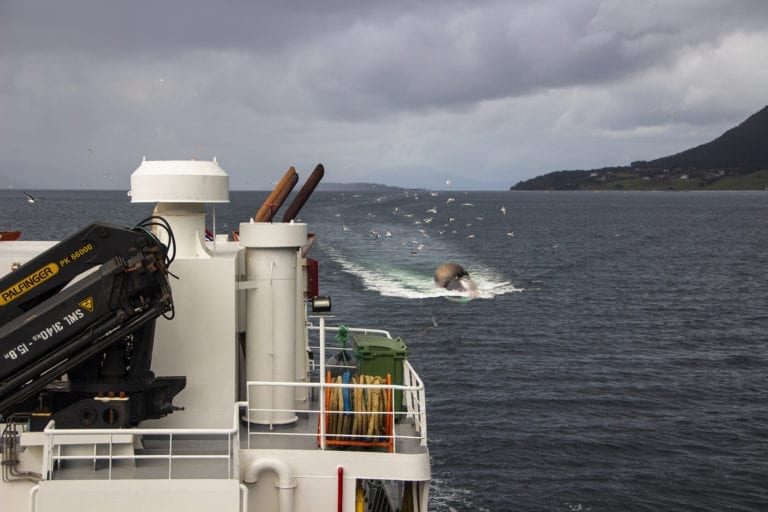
(179, 181)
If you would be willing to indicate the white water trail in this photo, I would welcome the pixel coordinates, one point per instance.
(391, 281)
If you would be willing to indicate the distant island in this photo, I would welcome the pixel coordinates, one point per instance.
(356, 187)
(737, 160)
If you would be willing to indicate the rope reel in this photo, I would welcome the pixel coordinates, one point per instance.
(359, 416)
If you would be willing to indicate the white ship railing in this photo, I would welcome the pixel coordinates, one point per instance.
(112, 449)
(324, 348)
(415, 400)
(411, 424)
(414, 395)
(407, 426)
(107, 449)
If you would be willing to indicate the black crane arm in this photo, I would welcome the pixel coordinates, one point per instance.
(47, 273)
(98, 330)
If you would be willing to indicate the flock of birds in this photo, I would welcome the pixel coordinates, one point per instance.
(429, 218)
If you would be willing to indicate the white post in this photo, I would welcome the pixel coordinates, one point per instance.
(322, 382)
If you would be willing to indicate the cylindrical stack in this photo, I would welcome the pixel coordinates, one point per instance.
(270, 282)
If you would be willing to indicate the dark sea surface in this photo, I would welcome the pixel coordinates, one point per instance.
(616, 360)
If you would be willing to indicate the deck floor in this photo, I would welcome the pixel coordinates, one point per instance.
(205, 456)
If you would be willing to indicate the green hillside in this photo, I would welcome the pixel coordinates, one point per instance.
(737, 160)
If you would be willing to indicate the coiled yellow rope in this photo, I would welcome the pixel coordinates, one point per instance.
(367, 419)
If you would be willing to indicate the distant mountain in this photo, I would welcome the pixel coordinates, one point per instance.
(355, 187)
(738, 159)
(743, 147)
(429, 178)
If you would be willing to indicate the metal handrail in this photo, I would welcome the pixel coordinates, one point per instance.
(416, 403)
(362, 330)
(413, 393)
(413, 396)
(55, 439)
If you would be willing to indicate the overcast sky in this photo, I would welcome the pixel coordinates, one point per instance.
(409, 93)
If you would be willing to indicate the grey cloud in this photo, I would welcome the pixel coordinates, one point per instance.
(444, 84)
(439, 58)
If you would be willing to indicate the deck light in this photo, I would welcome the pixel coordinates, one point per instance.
(321, 304)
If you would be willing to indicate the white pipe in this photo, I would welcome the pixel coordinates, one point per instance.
(243, 498)
(33, 498)
(285, 482)
(301, 329)
(322, 382)
(213, 210)
(188, 223)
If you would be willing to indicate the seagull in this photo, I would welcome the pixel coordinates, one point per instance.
(510, 233)
(470, 236)
(388, 233)
(504, 210)
(449, 200)
(345, 228)
(432, 210)
(30, 199)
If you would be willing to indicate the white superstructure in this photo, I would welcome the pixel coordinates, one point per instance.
(263, 427)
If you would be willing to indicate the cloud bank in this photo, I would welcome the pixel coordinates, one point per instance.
(402, 93)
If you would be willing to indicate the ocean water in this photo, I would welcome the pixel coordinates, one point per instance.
(616, 359)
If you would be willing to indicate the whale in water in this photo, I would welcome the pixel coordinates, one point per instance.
(453, 277)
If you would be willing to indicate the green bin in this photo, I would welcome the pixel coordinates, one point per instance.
(379, 356)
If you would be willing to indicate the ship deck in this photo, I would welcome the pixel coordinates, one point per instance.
(186, 453)
(313, 424)
(109, 454)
